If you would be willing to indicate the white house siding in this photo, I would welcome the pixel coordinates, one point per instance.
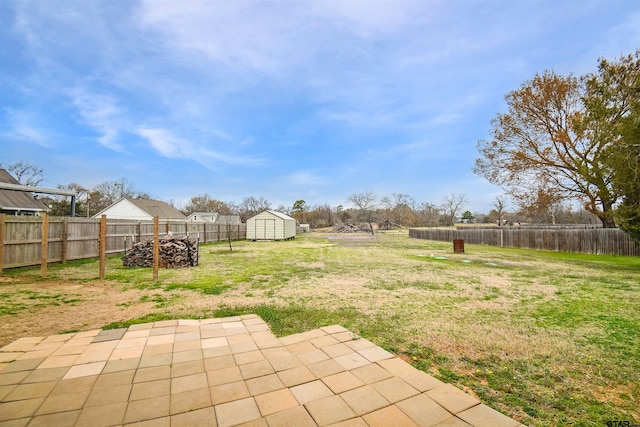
(124, 209)
(141, 210)
(271, 225)
(203, 217)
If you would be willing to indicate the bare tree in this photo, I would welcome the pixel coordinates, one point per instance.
(251, 206)
(226, 222)
(364, 201)
(109, 192)
(399, 208)
(430, 214)
(451, 205)
(205, 203)
(321, 216)
(500, 204)
(26, 174)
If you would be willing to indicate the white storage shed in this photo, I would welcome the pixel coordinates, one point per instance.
(271, 225)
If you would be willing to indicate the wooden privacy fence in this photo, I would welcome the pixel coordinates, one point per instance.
(602, 241)
(22, 242)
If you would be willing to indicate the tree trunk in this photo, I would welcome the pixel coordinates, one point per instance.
(606, 216)
(607, 222)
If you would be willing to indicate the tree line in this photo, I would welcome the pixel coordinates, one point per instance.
(366, 207)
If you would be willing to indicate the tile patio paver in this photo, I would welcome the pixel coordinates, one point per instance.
(63, 402)
(205, 417)
(238, 411)
(364, 400)
(329, 410)
(325, 368)
(223, 372)
(188, 382)
(309, 392)
(147, 409)
(483, 416)
(43, 375)
(342, 382)
(295, 376)
(423, 410)
(389, 416)
(60, 419)
(229, 392)
(21, 365)
(264, 384)
(294, 417)
(190, 401)
(452, 398)
(275, 401)
(394, 389)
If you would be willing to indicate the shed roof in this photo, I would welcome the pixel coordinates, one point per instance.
(17, 200)
(281, 215)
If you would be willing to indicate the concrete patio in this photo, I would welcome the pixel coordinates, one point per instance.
(223, 372)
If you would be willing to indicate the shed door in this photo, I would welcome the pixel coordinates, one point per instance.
(265, 228)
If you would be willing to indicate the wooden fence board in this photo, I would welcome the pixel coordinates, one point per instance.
(602, 241)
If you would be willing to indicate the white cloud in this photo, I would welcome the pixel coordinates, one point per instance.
(235, 34)
(165, 143)
(102, 113)
(25, 126)
(305, 178)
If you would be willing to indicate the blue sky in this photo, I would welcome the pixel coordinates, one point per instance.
(287, 100)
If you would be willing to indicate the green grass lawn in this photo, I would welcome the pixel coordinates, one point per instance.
(546, 338)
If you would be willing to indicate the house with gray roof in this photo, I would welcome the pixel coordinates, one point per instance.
(214, 218)
(14, 202)
(141, 210)
(202, 217)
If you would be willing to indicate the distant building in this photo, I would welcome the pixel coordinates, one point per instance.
(214, 218)
(202, 217)
(271, 225)
(303, 228)
(141, 210)
(13, 202)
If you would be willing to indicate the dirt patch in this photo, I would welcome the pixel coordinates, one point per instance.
(352, 240)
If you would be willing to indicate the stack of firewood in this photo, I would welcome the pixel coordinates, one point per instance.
(175, 252)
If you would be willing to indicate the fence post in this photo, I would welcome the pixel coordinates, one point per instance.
(156, 246)
(139, 230)
(45, 245)
(204, 226)
(3, 222)
(102, 240)
(63, 245)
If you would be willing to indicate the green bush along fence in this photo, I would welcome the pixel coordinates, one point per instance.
(22, 243)
(604, 241)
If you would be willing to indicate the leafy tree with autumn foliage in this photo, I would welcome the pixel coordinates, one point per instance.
(556, 139)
